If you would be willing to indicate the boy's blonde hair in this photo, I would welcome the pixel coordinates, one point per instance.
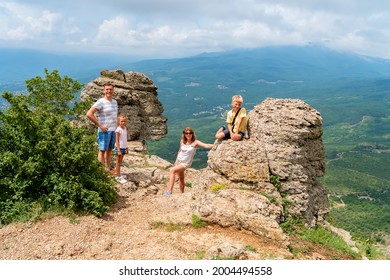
(122, 116)
(237, 98)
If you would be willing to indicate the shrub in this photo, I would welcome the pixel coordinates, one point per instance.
(48, 162)
(216, 187)
(292, 224)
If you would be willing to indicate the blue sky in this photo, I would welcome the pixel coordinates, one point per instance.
(178, 28)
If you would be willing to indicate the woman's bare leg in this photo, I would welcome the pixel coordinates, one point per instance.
(172, 172)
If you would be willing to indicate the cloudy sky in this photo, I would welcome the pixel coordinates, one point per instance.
(177, 28)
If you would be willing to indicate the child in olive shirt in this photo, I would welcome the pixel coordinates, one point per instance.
(236, 122)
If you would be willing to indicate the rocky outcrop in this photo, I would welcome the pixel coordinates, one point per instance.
(137, 98)
(270, 175)
(291, 133)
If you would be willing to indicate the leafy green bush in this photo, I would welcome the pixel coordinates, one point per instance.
(47, 160)
(292, 224)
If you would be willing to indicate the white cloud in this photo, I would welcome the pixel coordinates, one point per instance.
(25, 22)
(113, 31)
(179, 28)
(69, 27)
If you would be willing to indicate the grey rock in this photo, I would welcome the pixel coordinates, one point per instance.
(136, 95)
(285, 142)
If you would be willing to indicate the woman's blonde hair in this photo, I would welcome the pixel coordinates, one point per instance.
(237, 98)
(190, 130)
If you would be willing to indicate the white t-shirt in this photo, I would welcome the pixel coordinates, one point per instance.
(122, 137)
(187, 153)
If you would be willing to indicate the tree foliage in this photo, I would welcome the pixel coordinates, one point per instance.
(48, 161)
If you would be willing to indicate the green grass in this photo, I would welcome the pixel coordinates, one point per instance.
(167, 226)
(317, 235)
(197, 222)
(324, 237)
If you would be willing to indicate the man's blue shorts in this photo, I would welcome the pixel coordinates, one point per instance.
(106, 140)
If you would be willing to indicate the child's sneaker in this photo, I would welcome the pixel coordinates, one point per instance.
(121, 180)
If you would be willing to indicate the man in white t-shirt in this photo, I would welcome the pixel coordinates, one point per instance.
(106, 120)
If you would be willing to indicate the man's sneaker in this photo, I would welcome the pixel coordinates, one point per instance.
(122, 176)
(121, 180)
(168, 193)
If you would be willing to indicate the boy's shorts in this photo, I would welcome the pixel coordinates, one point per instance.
(106, 140)
(123, 151)
(225, 131)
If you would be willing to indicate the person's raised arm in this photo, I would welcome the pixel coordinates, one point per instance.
(203, 145)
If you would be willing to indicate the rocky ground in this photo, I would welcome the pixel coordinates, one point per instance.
(144, 226)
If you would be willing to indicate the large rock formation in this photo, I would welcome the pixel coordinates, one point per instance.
(137, 98)
(291, 133)
(268, 176)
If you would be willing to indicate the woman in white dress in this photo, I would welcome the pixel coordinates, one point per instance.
(185, 155)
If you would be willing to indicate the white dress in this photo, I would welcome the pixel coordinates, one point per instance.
(186, 154)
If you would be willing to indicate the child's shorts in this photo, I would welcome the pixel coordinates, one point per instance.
(123, 151)
(227, 133)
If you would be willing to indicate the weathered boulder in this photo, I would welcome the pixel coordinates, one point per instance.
(237, 204)
(291, 133)
(269, 175)
(227, 159)
(137, 98)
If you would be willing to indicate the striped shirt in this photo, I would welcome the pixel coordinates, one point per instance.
(107, 114)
